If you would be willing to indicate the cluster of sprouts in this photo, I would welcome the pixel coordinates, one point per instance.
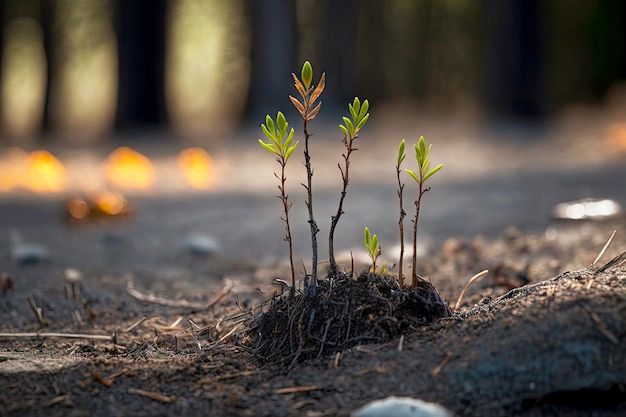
(281, 144)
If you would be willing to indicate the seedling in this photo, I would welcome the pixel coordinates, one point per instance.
(373, 247)
(401, 157)
(320, 320)
(280, 145)
(350, 129)
(308, 110)
(421, 155)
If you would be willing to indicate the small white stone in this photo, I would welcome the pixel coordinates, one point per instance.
(200, 245)
(72, 275)
(401, 407)
(29, 253)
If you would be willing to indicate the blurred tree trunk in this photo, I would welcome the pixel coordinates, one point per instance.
(338, 51)
(47, 25)
(274, 58)
(607, 31)
(371, 46)
(514, 83)
(141, 45)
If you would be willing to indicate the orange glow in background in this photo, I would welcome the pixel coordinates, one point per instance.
(197, 168)
(44, 173)
(38, 171)
(616, 136)
(129, 170)
(124, 170)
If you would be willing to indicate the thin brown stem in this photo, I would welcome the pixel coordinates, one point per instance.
(334, 268)
(401, 226)
(418, 203)
(286, 207)
(309, 205)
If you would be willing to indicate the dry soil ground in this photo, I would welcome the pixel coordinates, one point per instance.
(551, 347)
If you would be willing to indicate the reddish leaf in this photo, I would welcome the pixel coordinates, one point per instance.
(318, 89)
(314, 112)
(298, 85)
(297, 105)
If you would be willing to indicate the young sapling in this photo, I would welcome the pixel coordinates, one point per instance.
(401, 156)
(373, 247)
(308, 110)
(423, 163)
(350, 129)
(280, 145)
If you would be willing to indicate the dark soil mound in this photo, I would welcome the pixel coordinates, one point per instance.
(344, 312)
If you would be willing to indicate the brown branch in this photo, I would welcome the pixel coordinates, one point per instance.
(309, 205)
(152, 395)
(401, 226)
(150, 298)
(418, 203)
(36, 311)
(226, 376)
(59, 335)
(286, 206)
(334, 268)
(437, 369)
(293, 390)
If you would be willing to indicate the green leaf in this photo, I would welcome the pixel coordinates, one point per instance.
(281, 121)
(411, 173)
(401, 154)
(432, 171)
(344, 130)
(362, 122)
(375, 244)
(422, 147)
(366, 238)
(364, 108)
(424, 168)
(356, 104)
(290, 150)
(427, 154)
(349, 125)
(307, 74)
(267, 146)
(287, 141)
(353, 112)
(266, 132)
(270, 124)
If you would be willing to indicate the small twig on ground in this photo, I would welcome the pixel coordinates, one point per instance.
(227, 335)
(615, 262)
(150, 298)
(337, 357)
(60, 335)
(107, 382)
(606, 246)
(152, 395)
(469, 283)
(227, 376)
(437, 369)
(293, 390)
(400, 343)
(36, 311)
(135, 324)
(63, 399)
